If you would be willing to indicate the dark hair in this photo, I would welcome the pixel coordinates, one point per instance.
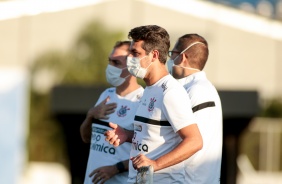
(197, 54)
(154, 37)
(122, 43)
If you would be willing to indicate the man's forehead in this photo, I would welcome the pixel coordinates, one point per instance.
(136, 45)
(117, 56)
(120, 51)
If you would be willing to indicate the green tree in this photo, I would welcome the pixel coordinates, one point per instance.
(83, 64)
(272, 108)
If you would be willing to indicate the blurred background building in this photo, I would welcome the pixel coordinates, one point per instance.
(52, 59)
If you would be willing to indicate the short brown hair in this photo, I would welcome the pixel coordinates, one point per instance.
(154, 37)
(122, 43)
(197, 54)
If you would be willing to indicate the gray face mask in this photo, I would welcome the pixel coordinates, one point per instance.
(170, 62)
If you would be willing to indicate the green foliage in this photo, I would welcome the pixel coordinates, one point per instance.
(89, 56)
(83, 64)
(252, 140)
(45, 142)
(272, 108)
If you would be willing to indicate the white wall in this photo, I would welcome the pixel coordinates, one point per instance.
(245, 50)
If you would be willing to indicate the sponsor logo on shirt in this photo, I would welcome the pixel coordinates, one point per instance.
(135, 144)
(139, 146)
(96, 146)
(138, 128)
(103, 148)
(122, 111)
(151, 104)
(99, 130)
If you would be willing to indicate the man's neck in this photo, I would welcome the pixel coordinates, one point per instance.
(156, 76)
(182, 73)
(127, 88)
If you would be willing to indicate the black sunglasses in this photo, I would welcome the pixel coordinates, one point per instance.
(171, 52)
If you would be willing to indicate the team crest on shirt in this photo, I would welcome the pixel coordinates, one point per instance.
(122, 111)
(152, 104)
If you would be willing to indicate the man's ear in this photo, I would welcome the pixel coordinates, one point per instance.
(184, 59)
(155, 54)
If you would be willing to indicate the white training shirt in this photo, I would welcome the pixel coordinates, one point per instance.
(204, 166)
(164, 109)
(101, 152)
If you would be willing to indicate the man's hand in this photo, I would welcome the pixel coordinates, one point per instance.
(117, 136)
(102, 174)
(141, 160)
(100, 111)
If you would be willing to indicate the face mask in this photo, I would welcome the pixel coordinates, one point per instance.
(113, 75)
(170, 62)
(133, 66)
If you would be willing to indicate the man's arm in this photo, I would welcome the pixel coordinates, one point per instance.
(190, 144)
(104, 173)
(85, 129)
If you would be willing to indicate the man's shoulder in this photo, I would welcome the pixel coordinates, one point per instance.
(202, 86)
(171, 83)
(171, 88)
(110, 90)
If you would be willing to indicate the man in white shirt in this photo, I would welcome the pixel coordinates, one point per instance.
(107, 164)
(165, 132)
(188, 59)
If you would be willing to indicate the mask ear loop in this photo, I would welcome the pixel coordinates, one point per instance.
(191, 46)
(188, 68)
(127, 75)
(142, 58)
(186, 50)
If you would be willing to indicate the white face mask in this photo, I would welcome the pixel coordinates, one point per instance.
(134, 67)
(170, 62)
(113, 75)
